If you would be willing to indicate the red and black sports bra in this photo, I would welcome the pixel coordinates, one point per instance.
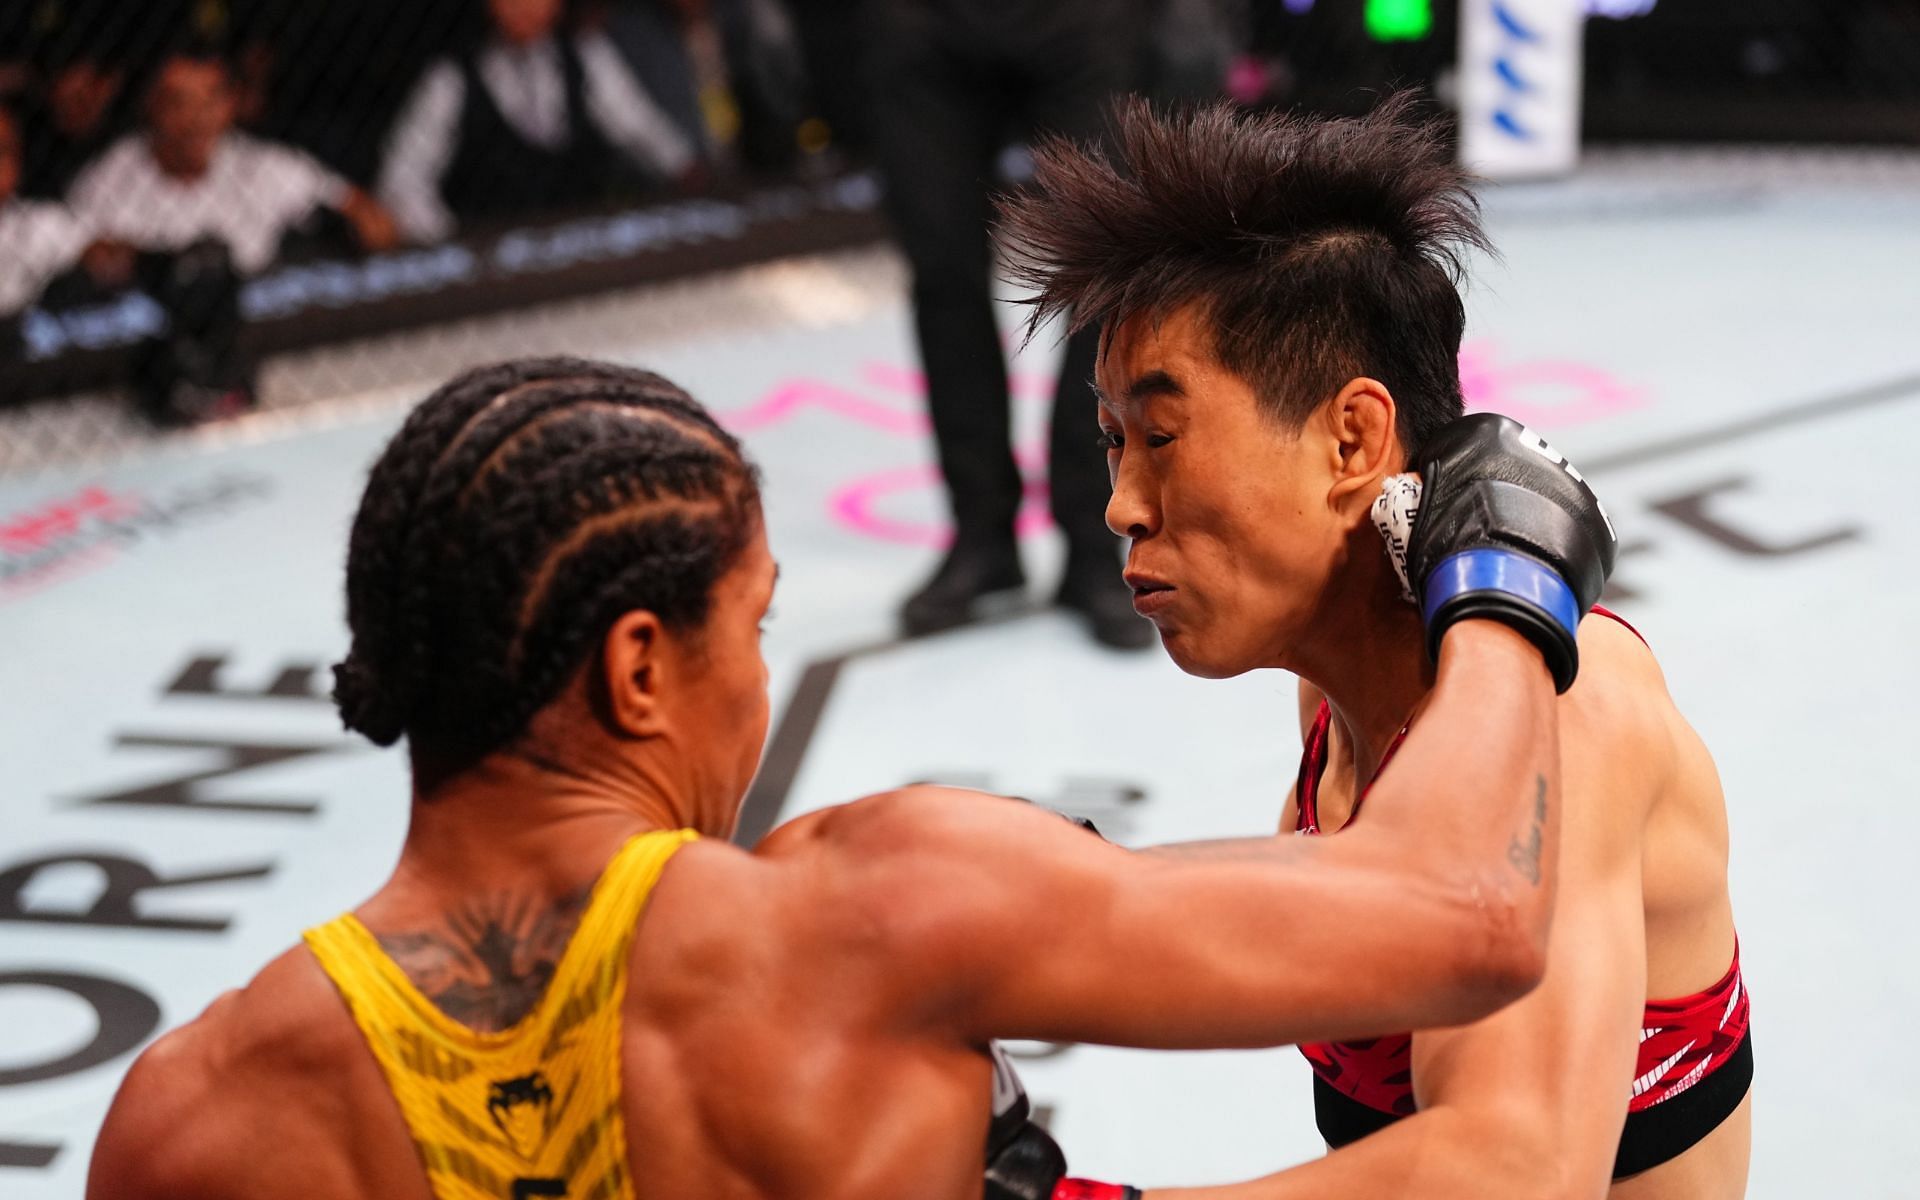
(1695, 1063)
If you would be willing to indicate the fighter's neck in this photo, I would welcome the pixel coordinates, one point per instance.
(1374, 671)
(510, 825)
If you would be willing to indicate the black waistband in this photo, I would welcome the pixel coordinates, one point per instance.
(1651, 1136)
(1672, 1127)
(1342, 1119)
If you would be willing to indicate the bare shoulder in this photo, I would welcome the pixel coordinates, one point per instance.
(913, 879)
(921, 819)
(188, 1115)
(1617, 725)
(1621, 692)
(821, 875)
(946, 857)
(914, 851)
(143, 1150)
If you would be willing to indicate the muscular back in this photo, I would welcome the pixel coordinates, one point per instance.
(1684, 865)
(272, 1083)
(1672, 808)
(753, 1066)
(787, 1064)
(1657, 819)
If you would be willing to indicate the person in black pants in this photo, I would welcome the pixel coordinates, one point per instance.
(953, 80)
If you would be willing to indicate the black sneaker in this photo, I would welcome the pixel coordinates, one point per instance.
(967, 576)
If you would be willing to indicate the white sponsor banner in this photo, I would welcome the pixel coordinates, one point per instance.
(1520, 86)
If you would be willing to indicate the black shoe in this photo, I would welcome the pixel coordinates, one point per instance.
(967, 575)
(1096, 591)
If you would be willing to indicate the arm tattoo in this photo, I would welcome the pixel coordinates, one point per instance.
(1255, 850)
(490, 961)
(1525, 855)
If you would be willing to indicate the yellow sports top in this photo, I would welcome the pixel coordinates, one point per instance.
(528, 1111)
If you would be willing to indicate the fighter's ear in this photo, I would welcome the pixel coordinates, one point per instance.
(631, 658)
(1361, 419)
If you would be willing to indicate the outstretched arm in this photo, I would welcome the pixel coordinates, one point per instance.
(999, 920)
(1530, 1100)
(1527, 1102)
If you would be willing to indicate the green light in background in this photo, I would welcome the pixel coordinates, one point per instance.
(1399, 20)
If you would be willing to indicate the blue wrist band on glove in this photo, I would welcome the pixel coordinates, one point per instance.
(1489, 570)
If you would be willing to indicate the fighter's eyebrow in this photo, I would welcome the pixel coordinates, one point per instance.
(1152, 384)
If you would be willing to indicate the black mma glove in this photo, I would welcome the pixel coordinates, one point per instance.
(1507, 530)
(1023, 1160)
(1027, 1167)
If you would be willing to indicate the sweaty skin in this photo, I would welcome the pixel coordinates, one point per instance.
(809, 1019)
(1262, 535)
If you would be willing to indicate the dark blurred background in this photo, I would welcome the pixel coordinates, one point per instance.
(187, 186)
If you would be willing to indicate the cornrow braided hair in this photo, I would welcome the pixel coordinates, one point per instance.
(520, 510)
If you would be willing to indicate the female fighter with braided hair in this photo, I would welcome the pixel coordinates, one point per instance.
(573, 985)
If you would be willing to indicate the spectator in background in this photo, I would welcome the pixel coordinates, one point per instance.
(531, 120)
(954, 81)
(72, 118)
(731, 74)
(191, 177)
(82, 54)
(38, 239)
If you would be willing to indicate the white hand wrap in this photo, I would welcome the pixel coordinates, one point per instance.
(1394, 513)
